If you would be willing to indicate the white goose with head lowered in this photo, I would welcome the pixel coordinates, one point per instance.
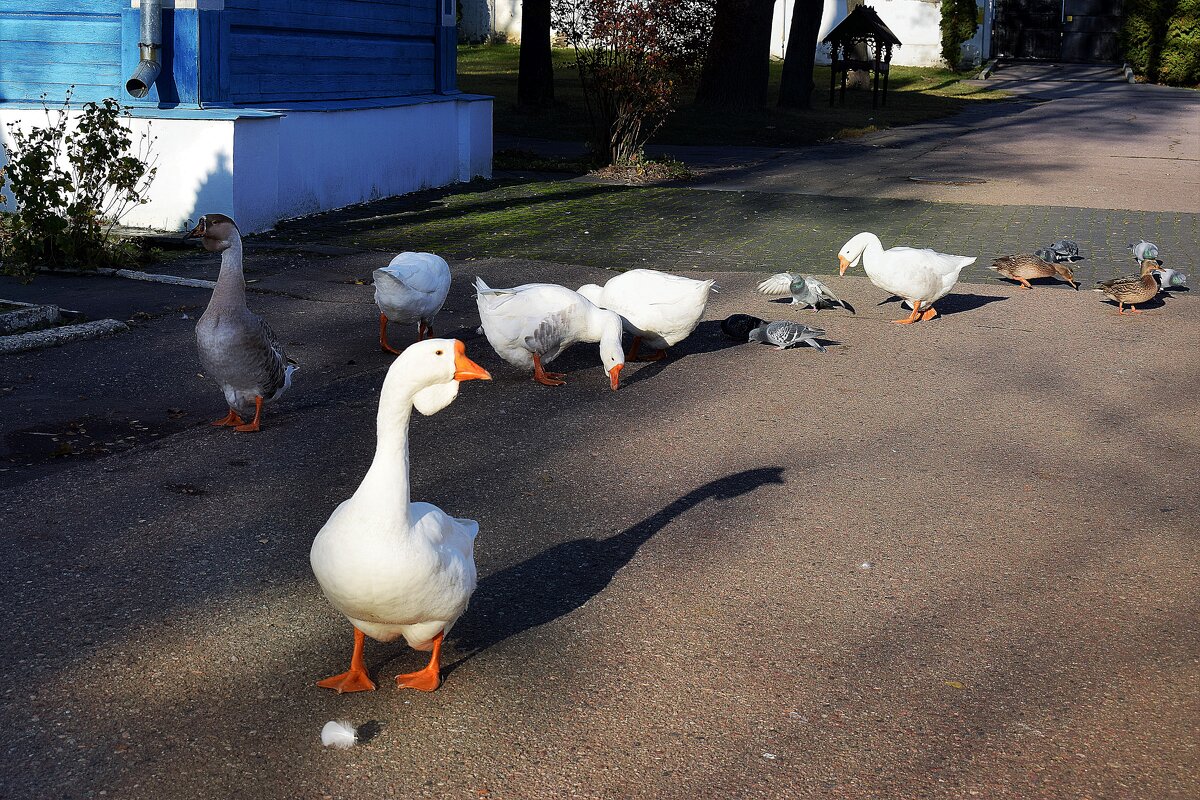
(920, 277)
(237, 347)
(657, 308)
(530, 326)
(412, 288)
(393, 567)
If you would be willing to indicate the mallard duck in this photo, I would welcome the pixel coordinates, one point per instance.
(412, 288)
(920, 277)
(1131, 289)
(805, 290)
(393, 567)
(1020, 268)
(656, 308)
(530, 326)
(237, 347)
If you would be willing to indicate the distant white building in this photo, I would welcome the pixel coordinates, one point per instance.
(916, 22)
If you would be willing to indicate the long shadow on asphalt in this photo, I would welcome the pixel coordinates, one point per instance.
(557, 581)
(955, 303)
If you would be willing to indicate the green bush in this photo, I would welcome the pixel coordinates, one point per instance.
(959, 20)
(1161, 40)
(72, 182)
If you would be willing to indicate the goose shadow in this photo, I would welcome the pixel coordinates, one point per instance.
(559, 580)
(707, 338)
(954, 303)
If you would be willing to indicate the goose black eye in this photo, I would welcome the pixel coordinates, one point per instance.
(437, 352)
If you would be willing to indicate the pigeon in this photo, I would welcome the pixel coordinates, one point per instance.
(738, 326)
(1064, 251)
(1170, 278)
(787, 334)
(1142, 250)
(805, 290)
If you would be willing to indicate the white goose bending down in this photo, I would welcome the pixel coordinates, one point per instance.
(237, 347)
(919, 276)
(395, 568)
(412, 288)
(530, 325)
(656, 308)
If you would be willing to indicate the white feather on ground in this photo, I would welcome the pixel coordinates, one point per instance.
(339, 734)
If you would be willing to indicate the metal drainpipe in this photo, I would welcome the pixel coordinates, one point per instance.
(149, 49)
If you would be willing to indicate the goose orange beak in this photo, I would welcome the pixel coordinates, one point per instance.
(845, 262)
(614, 376)
(464, 368)
(196, 232)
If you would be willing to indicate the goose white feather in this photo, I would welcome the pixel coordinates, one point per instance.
(396, 568)
(543, 320)
(919, 276)
(339, 734)
(659, 308)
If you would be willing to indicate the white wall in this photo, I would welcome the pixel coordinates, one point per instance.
(917, 23)
(483, 18)
(260, 169)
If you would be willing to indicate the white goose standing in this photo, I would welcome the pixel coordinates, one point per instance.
(396, 568)
(919, 276)
(412, 288)
(237, 347)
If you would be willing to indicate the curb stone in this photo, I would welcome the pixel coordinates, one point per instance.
(35, 340)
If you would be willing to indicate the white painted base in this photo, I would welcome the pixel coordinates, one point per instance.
(260, 167)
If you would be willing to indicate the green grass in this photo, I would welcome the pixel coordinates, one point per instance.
(915, 94)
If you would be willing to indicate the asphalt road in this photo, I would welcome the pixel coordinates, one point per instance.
(956, 559)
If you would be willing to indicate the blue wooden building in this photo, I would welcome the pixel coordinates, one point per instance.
(262, 109)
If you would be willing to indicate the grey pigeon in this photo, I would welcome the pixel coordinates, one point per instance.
(738, 326)
(805, 290)
(237, 347)
(1064, 251)
(787, 334)
(1170, 278)
(1143, 250)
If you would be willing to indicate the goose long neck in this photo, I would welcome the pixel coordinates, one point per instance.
(387, 478)
(231, 285)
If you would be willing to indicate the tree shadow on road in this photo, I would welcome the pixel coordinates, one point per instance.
(557, 581)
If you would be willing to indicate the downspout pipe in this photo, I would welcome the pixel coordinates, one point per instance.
(149, 49)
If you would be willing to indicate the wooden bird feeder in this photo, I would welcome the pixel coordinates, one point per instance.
(861, 33)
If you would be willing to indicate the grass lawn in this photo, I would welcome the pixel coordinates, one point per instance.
(915, 94)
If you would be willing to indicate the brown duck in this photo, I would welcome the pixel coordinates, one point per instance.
(1132, 289)
(1021, 268)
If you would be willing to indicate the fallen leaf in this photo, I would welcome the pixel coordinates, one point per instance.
(955, 685)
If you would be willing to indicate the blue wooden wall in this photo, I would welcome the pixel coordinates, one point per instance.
(48, 45)
(253, 52)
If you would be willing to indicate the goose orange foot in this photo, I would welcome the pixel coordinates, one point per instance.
(228, 420)
(383, 342)
(428, 679)
(913, 317)
(354, 679)
(545, 378)
(931, 312)
(253, 425)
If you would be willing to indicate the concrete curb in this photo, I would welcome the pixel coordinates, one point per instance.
(27, 316)
(987, 71)
(35, 340)
(134, 275)
(1129, 76)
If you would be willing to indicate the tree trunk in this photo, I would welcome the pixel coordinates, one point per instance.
(796, 83)
(535, 71)
(737, 68)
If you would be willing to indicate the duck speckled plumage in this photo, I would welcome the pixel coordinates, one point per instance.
(1131, 289)
(237, 347)
(1022, 267)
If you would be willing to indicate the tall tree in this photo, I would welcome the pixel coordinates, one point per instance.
(535, 71)
(738, 65)
(796, 83)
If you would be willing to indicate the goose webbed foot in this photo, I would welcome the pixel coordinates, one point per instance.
(254, 425)
(228, 420)
(354, 679)
(428, 679)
